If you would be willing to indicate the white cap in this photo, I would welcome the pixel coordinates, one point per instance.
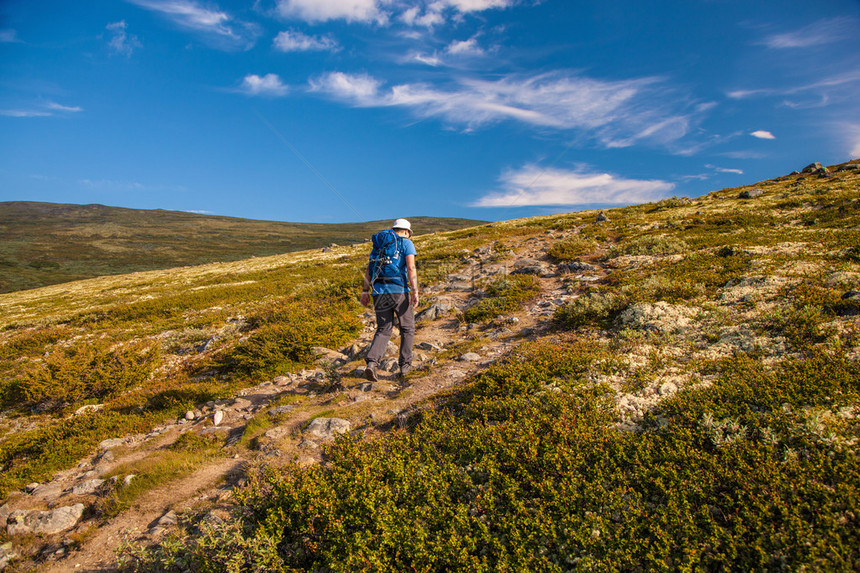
(402, 224)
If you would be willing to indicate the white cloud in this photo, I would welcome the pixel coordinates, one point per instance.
(120, 41)
(533, 186)
(294, 41)
(268, 85)
(433, 61)
(477, 5)
(222, 29)
(619, 113)
(361, 90)
(762, 134)
(468, 47)
(816, 34)
(323, 10)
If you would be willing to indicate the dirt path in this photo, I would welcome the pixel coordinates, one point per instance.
(366, 408)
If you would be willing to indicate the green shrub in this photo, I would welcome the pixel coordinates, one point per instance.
(571, 249)
(287, 332)
(506, 294)
(598, 309)
(512, 476)
(657, 245)
(94, 370)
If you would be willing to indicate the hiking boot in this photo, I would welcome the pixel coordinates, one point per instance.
(370, 372)
(404, 370)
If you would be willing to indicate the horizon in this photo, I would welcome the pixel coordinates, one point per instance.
(336, 111)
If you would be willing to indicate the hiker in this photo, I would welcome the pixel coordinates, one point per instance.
(392, 279)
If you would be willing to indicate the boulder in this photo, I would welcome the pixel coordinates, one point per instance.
(812, 168)
(849, 167)
(327, 428)
(750, 193)
(601, 217)
(22, 522)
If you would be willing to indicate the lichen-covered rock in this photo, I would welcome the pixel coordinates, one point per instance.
(22, 522)
(659, 317)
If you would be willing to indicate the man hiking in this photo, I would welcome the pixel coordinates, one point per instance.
(392, 280)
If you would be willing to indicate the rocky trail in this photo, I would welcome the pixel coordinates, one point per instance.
(335, 398)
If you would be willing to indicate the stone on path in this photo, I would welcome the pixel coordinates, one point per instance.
(327, 428)
(22, 522)
(470, 357)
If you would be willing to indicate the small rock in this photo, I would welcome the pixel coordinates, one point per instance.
(327, 428)
(601, 217)
(469, 357)
(111, 443)
(126, 481)
(812, 168)
(428, 346)
(281, 410)
(218, 417)
(189, 415)
(366, 387)
(241, 404)
(168, 519)
(87, 487)
(281, 380)
(309, 445)
(277, 433)
(89, 408)
(31, 487)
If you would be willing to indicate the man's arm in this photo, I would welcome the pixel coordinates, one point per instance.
(365, 290)
(412, 275)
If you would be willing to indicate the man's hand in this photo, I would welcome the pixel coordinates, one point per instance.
(414, 296)
(365, 299)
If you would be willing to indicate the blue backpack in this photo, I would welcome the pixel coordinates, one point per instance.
(385, 259)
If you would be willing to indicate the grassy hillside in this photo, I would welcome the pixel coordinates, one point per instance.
(686, 396)
(46, 243)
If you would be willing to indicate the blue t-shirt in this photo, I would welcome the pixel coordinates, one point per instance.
(408, 248)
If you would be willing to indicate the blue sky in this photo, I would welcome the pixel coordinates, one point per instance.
(347, 110)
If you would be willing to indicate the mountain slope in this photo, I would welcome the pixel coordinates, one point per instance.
(671, 386)
(47, 243)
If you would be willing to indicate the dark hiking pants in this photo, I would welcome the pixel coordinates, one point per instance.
(387, 306)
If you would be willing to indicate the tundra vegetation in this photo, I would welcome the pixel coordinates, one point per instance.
(741, 313)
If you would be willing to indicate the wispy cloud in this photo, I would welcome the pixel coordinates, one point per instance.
(24, 113)
(268, 85)
(45, 109)
(819, 33)
(618, 113)
(324, 10)
(294, 41)
(725, 170)
(533, 186)
(218, 27)
(762, 134)
(8, 36)
(121, 42)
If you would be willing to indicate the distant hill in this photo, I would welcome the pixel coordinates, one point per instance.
(49, 243)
